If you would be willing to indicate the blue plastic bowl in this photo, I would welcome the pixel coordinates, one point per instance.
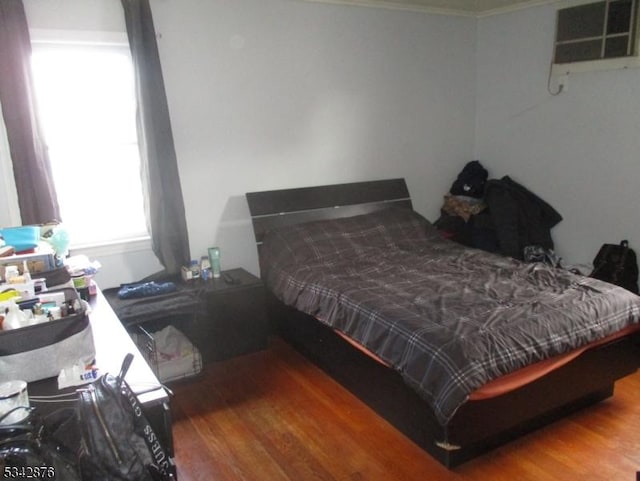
(21, 238)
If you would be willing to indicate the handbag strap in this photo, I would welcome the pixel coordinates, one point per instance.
(160, 457)
(142, 425)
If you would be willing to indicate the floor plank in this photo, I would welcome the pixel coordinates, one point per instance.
(274, 416)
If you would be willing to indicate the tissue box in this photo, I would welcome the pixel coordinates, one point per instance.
(42, 350)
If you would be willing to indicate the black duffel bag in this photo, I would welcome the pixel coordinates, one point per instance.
(104, 436)
(618, 265)
(29, 450)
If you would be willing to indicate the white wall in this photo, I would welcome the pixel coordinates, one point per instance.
(270, 94)
(577, 150)
(96, 15)
(267, 94)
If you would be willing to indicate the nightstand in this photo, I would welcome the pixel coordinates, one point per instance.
(233, 319)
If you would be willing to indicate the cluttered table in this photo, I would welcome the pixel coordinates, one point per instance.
(112, 343)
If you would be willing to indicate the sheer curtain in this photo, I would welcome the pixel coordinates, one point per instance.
(160, 178)
(31, 169)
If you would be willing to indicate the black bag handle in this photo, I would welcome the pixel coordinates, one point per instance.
(126, 364)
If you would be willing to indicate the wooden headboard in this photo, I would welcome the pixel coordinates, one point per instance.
(277, 208)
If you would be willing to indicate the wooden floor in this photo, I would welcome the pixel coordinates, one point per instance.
(274, 416)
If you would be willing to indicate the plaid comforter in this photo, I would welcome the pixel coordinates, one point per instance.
(446, 317)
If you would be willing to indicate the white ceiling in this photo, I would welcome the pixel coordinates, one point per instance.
(450, 7)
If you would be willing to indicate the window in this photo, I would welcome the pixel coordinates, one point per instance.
(87, 108)
(600, 31)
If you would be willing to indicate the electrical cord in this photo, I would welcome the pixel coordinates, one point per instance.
(561, 86)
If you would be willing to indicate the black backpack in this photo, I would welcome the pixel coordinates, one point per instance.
(617, 264)
(117, 441)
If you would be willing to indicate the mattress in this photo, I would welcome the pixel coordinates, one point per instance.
(448, 318)
(521, 377)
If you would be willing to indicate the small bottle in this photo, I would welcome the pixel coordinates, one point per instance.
(25, 272)
(11, 273)
(205, 268)
(38, 314)
(214, 260)
(14, 317)
(195, 270)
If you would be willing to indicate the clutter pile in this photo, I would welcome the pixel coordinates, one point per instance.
(498, 215)
(44, 325)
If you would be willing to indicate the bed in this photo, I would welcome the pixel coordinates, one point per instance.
(459, 349)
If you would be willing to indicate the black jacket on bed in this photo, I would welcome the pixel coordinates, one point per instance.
(520, 217)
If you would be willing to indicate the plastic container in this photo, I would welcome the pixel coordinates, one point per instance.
(21, 238)
(10, 273)
(14, 318)
(39, 351)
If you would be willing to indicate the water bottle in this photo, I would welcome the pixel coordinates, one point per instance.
(14, 318)
(214, 260)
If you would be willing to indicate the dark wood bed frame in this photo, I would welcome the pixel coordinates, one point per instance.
(478, 426)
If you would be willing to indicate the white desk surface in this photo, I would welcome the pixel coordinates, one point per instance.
(112, 343)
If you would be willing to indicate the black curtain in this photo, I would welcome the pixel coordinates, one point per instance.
(31, 169)
(164, 204)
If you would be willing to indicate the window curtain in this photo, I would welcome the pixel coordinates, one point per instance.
(164, 204)
(31, 168)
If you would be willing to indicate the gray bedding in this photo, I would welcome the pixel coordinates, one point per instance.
(448, 318)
